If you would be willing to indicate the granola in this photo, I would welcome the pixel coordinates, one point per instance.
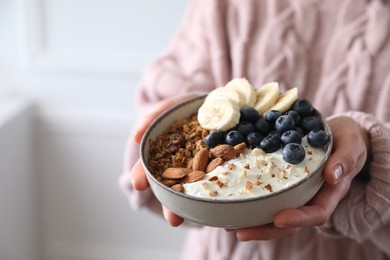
(176, 146)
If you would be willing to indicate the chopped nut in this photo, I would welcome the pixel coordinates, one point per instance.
(213, 193)
(268, 187)
(231, 166)
(307, 170)
(223, 180)
(219, 183)
(257, 151)
(247, 166)
(224, 171)
(259, 163)
(249, 185)
(214, 178)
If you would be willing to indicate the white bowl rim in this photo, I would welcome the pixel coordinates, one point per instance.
(145, 140)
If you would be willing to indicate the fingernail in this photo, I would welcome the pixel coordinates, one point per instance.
(337, 171)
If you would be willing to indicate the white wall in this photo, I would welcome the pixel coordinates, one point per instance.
(78, 61)
(17, 189)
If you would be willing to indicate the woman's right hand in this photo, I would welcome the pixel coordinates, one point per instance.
(138, 177)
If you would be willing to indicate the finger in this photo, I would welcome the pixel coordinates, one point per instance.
(163, 106)
(265, 232)
(173, 219)
(349, 150)
(318, 210)
(138, 177)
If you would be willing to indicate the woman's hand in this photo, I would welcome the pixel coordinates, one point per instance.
(350, 146)
(138, 177)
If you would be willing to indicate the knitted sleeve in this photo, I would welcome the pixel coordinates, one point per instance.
(364, 214)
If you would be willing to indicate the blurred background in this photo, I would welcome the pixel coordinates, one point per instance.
(68, 72)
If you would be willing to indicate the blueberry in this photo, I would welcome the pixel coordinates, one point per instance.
(303, 107)
(234, 137)
(317, 138)
(291, 136)
(249, 114)
(311, 123)
(300, 130)
(284, 123)
(214, 138)
(271, 143)
(295, 116)
(293, 153)
(271, 116)
(263, 127)
(245, 128)
(253, 139)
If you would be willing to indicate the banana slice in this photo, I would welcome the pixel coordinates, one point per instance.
(245, 89)
(286, 100)
(219, 114)
(267, 95)
(222, 92)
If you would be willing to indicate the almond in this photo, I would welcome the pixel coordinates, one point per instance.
(223, 151)
(178, 187)
(169, 182)
(240, 148)
(193, 177)
(175, 173)
(214, 164)
(200, 160)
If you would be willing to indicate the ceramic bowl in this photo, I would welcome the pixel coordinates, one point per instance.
(227, 213)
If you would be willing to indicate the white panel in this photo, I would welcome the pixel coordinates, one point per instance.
(18, 237)
(8, 35)
(109, 35)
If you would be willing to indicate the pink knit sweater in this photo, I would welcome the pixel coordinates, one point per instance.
(338, 54)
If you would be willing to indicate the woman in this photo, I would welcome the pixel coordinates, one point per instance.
(337, 56)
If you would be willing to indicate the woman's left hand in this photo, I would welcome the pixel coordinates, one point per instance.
(350, 146)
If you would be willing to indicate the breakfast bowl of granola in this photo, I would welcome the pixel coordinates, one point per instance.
(237, 156)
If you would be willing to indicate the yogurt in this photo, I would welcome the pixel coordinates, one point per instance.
(253, 174)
